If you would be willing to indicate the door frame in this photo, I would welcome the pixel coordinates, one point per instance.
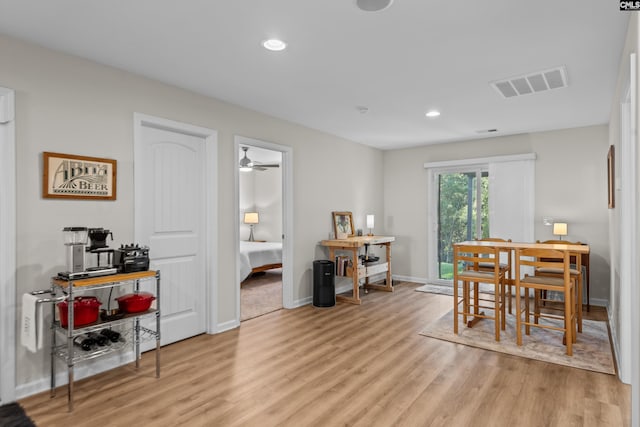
(287, 217)
(211, 200)
(7, 246)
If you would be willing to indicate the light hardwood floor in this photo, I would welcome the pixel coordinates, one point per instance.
(347, 365)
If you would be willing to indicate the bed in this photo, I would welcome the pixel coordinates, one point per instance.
(259, 256)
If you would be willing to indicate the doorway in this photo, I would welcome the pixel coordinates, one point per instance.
(476, 198)
(463, 213)
(263, 227)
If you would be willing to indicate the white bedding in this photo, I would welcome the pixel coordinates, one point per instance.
(256, 254)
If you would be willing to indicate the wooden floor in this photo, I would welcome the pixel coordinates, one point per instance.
(347, 365)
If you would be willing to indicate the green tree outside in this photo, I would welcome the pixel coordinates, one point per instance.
(457, 214)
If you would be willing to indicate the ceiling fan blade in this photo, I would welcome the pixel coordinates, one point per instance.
(265, 165)
(258, 168)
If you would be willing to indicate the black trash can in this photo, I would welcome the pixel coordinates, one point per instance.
(324, 283)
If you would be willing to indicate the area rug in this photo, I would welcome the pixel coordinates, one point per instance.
(592, 351)
(12, 415)
(448, 290)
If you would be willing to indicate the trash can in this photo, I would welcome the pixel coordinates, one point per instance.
(324, 283)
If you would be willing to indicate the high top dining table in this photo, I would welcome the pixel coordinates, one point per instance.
(512, 246)
(578, 249)
(581, 248)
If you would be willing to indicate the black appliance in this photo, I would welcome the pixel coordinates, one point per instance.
(131, 258)
(98, 238)
(324, 283)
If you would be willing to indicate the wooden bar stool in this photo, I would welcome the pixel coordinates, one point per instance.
(470, 273)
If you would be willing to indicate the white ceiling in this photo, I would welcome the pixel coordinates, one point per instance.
(399, 63)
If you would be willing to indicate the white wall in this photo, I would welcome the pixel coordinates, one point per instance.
(70, 105)
(570, 185)
(261, 191)
(624, 296)
(268, 201)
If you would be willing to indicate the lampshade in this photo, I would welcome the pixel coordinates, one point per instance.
(560, 228)
(251, 218)
(370, 221)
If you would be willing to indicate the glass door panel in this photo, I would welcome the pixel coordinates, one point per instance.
(461, 195)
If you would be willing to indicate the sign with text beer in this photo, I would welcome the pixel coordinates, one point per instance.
(78, 177)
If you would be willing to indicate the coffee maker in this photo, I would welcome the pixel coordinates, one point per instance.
(98, 245)
(75, 240)
(76, 243)
(98, 238)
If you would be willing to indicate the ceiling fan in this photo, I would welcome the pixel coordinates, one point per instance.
(246, 164)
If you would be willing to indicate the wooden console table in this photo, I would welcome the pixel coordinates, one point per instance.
(359, 271)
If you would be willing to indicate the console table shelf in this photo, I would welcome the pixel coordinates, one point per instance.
(359, 271)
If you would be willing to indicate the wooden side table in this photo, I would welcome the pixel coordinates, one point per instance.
(358, 271)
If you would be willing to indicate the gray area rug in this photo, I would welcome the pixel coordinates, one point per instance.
(592, 351)
(12, 415)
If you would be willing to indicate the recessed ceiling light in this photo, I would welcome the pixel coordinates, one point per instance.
(274, 44)
(433, 113)
(373, 5)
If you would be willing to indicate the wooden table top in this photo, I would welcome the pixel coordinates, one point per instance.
(101, 280)
(582, 248)
(358, 241)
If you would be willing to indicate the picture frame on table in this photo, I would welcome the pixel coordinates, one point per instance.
(69, 176)
(343, 224)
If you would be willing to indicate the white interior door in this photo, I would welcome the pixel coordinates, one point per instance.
(170, 219)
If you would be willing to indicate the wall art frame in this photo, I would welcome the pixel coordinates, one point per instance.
(69, 176)
(342, 224)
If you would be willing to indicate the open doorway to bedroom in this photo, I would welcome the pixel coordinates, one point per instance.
(260, 205)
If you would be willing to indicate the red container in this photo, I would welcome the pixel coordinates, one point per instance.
(85, 311)
(135, 303)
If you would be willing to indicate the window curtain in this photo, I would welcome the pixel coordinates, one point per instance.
(511, 200)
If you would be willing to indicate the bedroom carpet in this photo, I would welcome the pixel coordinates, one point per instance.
(261, 294)
(592, 351)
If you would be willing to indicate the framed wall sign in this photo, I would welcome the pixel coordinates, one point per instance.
(67, 176)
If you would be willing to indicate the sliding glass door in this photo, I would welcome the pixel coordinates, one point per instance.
(463, 213)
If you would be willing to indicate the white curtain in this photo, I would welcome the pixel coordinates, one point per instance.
(511, 200)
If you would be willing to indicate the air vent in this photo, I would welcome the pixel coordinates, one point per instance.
(536, 82)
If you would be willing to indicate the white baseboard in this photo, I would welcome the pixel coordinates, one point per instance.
(420, 280)
(599, 302)
(226, 326)
(80, 371)
(615, 341)
(301, 302)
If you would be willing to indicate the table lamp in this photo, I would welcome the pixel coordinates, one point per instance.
(560, 229)
(251, 218)
(370, 222)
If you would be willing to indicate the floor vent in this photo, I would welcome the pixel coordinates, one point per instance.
(536, 82)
